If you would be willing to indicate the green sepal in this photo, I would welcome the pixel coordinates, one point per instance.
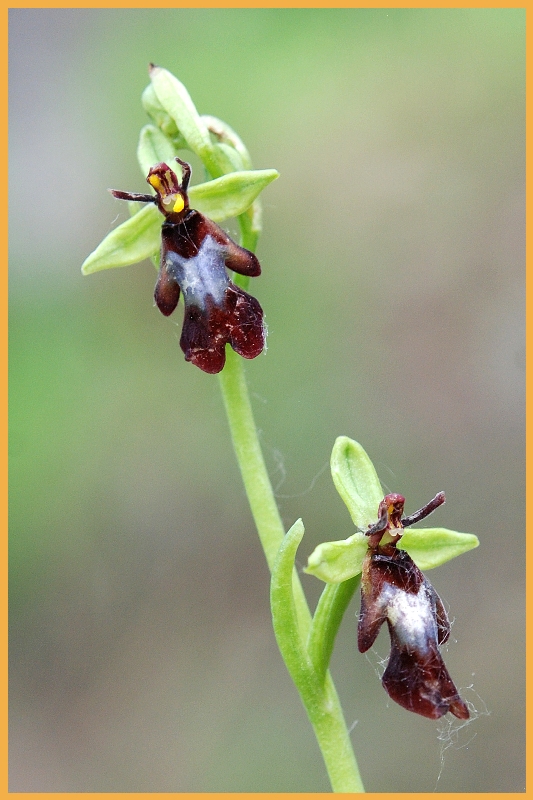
(133, 241)
(140, 236)
(176, 101)
(335, 562)
(431, 547)
(356, 481)
(230, 195)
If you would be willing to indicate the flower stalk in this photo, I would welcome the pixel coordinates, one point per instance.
(227, 157)
(293, 625)
(195, 255)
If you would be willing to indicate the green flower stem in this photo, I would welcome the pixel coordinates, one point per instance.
(334, 740)
(328, 616)
(317, 692)
(293, 623)
(250, 457)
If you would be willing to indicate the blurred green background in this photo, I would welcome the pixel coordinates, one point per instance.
(142, 655)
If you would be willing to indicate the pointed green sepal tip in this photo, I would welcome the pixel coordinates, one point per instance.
(133, 241)
(335, 562)
(431, 547)
(140, 237)
(356, 481)
(232, 194)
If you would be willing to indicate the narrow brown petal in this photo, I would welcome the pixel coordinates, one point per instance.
(166, 292)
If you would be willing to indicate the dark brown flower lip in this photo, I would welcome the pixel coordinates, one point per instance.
(422, 684)
(394, 590)
(237, 322)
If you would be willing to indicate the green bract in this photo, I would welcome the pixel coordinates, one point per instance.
(140, 237)
(176, 101)
(177, 118)
(289, 625)
(356, 481)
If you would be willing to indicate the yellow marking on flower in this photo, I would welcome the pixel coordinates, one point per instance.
(155, 181)
(179, 205)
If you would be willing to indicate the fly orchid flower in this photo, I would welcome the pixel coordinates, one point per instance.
(393, 589)
(195, 254)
